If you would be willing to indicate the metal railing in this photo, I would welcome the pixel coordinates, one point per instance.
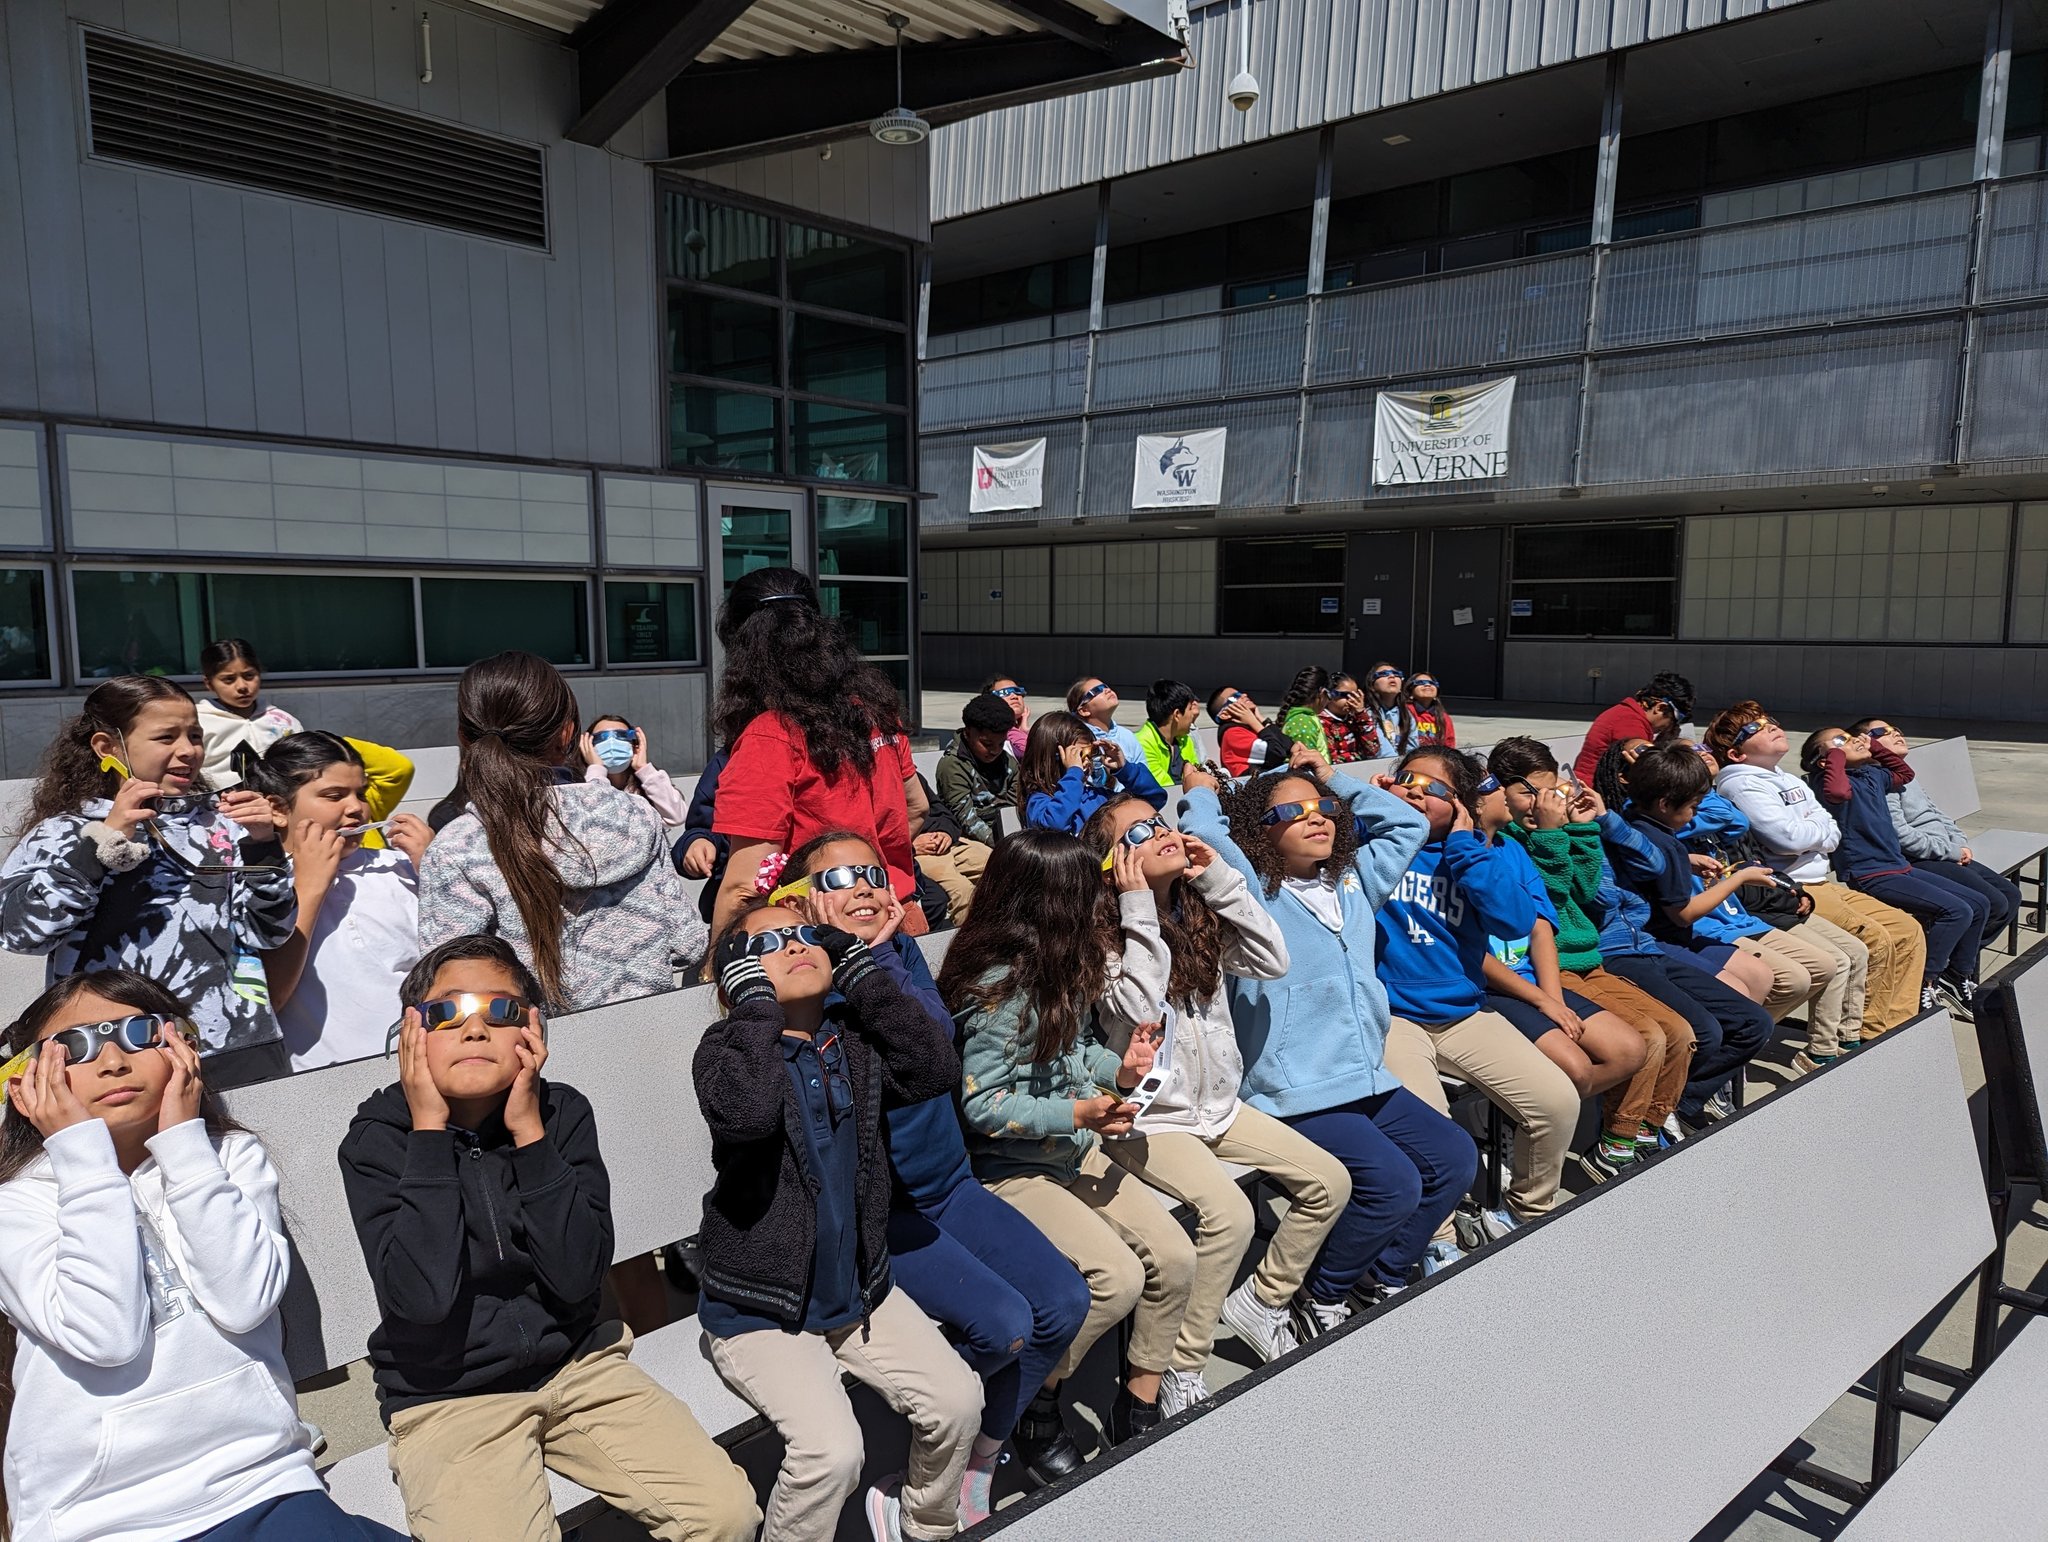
(1821, 343)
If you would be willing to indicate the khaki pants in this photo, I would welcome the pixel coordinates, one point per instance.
(1489, 1052)
(1823, 933)
(471, 1467)
(1191, 1170)
(1652, 1093)
(793, 1379)
(1798, 973)
(957, 870)
(1137, 1261)
(1808, 965)
(1897, 946)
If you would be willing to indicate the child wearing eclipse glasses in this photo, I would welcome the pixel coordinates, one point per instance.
(483, 1207)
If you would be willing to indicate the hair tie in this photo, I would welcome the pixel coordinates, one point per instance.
(770, 872)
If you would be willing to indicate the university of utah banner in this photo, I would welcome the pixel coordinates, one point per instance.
(1007, 476)
(1454, 435)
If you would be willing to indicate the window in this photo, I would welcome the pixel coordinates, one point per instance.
(155, 622)
(876, 616)
(1289, 585)
(1594, 581)
(864, 575)
(468, 619)
(24, 625)
(753, 538)
(650, 623)
(766, 382)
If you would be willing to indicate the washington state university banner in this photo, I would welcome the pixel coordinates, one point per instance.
(1007, 476)
(1455, 435)
(1179, 471)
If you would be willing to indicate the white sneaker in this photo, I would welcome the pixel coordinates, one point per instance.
(1265, 1329)
(884, 1508)
(1311, 1319)
(1440, 1255)
(1496, 1224)
(1181, 1390)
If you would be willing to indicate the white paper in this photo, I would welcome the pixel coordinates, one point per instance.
(1179, 471)
(1462, 616)
(1459, 434)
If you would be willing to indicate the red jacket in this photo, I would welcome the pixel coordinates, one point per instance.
(1626, 719)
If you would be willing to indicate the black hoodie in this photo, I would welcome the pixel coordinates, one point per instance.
(487, 1258)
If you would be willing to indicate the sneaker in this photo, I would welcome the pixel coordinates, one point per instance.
(977, 1485)
(1311, 1319)
(1721, 1105)
(1670, 1132)
(1930, 998)
(1265, 1329)
(1128, 1417)
(1181, 1390)
(1043, 1445)
(1439, 1256)
(1849, 1045)
(1609, 1158)
(1806, 1062)
(885, 1509)
(1496, 1224)
(1960, 996)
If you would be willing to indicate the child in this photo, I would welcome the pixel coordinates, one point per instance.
(1855, 776)
(1301, 709)
(1797, 835)
(1434, 937)
(1429, 720)
(142, 1261)
(1167, 735)
(1554, 822)
(978, 774)
(1069, 773)
(968, 1260)
(484, 1211)
(358, 928)
(1656, 709)
(1039, 1098)
(1011, 694)
(1387, 702)
(1322, 852)
(575, 874)
(1178, 922)
(949, 865)
(234, 714)
(796, 1279)
(127, 862)
(1094, 702)
(1247, 743)
(1349, 733)
(700, 851)
(615, 751)
(1935, 843)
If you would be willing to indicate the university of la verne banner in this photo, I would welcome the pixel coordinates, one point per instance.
(1179, 471)
(1007, 476)
(1454, 435)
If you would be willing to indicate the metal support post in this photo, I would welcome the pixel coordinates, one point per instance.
(1098, 276)
(1991, 96)
(1318, 250)
(1610, 151)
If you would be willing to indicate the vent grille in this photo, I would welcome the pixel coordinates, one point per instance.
(160, 108)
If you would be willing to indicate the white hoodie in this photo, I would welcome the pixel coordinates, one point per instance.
(151, 1397)
(226, 730)
(1786, 818)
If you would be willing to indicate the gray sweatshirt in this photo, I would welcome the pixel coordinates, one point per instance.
(1925, 833)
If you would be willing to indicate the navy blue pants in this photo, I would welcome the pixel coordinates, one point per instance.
(1409, 1166)
(2001, 896)
(307, 1517)
(1729, 1027)
(1951, 915)
(975, 1265)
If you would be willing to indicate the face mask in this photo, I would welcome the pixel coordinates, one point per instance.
(614, 754)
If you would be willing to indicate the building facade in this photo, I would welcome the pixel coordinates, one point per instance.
(1771, 285)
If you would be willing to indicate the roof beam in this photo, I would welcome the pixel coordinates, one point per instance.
(1061, 19)
(632, 49)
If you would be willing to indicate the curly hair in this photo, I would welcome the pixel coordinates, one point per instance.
(1195, 935)
(70, 776)
(1245, 805)
(784, 656)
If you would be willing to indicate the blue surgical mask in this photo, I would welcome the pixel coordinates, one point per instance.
(614, 754)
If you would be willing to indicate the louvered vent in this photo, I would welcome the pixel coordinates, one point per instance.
(161, 108)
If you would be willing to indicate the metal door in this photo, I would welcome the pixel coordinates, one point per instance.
(1379, 599)
(1464, 617)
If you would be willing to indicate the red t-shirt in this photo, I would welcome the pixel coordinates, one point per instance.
(771, 791)
(1626, 719)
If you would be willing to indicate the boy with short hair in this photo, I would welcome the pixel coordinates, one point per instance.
(977, 775)
(1247, 743)
(1167, 737)
(1798, 836)
(483, 1208)
(1094, 701)
(1653, 711)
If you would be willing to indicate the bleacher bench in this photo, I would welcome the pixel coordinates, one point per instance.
(1945, 775)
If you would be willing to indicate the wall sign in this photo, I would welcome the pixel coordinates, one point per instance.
(1007, 476)
(1179, 471)
(1459, 434)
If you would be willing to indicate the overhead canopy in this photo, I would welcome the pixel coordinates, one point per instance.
(745, 74)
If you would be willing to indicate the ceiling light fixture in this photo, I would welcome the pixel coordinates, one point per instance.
(899, 125)
(1395, 139)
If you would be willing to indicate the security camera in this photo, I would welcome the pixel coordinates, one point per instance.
(1243, 90)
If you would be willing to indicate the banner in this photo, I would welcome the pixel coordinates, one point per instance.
(1179, 471)
(1455, 435)
(1007, 476)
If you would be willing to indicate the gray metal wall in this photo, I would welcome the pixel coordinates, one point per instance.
(1318, 61)
(148, 297)
(885, 187)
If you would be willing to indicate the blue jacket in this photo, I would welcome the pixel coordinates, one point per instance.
(1623, 915)
(1074, 803)
(1435, 926)
(1718, 820)
(697, 825)
(926, 1151)
(1859, 798)
(1317, 1038)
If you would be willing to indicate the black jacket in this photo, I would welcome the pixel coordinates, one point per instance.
(760, 1218)
(487, 1258)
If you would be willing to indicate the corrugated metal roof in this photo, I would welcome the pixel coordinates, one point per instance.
(780, 28)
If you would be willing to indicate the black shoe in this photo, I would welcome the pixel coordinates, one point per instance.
(1043, 1446)
(1930, 998)
(1128, 1417)
(1959, 995)
(1312, 1319)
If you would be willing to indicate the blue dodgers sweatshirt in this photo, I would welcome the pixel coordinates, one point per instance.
(1316, 1039)
(1434, 927)
(1858, 797)
(927, 1155)
(1073, 803)
(1718, 821)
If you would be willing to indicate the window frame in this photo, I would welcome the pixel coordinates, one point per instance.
(56, 623)
(602, 622)
(1674, 579)
(906, 581)
(1224, 585)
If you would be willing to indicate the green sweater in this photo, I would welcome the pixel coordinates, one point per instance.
(1569, 860)
(1304, 726)
(1020, 1113)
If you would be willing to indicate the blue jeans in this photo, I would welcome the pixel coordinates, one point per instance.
(1409, 1166)
(975, 1265)
(2000, 894)
(1729, 1027)
(1952, 916)
(307, 1517)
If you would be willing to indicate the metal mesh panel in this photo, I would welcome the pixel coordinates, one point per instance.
(1488, 316)
(2016, 245)
(1258, 461)
(2008, 386)
(1336, 462)
(946, 470)
(1841, 265)
(1227, 353)
(1874, 397)
(1004, 385)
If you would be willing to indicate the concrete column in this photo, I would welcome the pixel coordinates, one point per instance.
(1991, 96)
(1610, 151)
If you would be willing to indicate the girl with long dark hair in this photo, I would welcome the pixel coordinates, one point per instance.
(1301, 709)
(1068, 773)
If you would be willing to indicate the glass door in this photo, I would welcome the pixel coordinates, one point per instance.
(752, 528)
